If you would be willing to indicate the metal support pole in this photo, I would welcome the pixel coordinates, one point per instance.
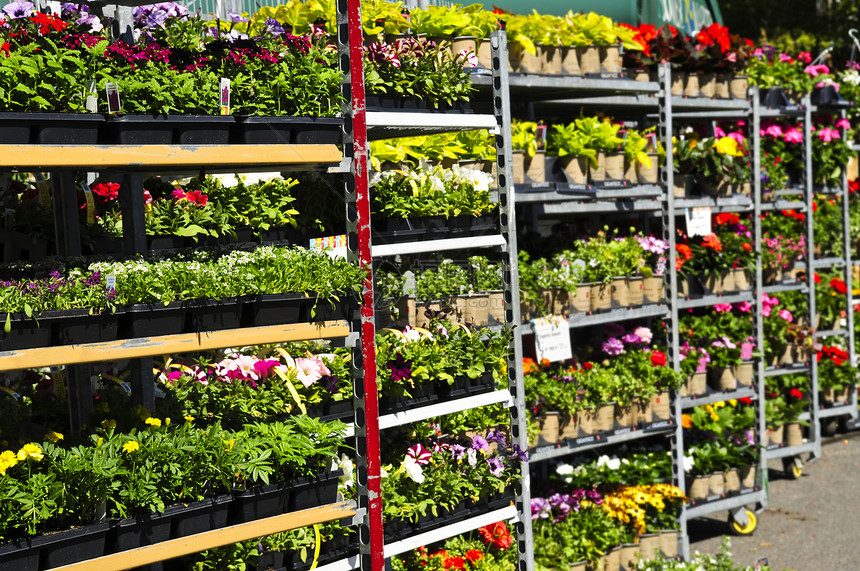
(350, 40)
(814, 426)
(846, 256)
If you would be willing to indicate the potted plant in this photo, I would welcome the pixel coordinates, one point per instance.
(574, 148)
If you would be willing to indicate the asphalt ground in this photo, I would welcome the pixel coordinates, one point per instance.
(811, 523)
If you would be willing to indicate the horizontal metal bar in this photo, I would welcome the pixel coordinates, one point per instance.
(593, 441)
(723, 504)
(425, 246)
(791, 286)
(737, 203)
(786, 451)
(780, 371)
(831, 333)
(709, 300)
(611, 316)
(599, 206)
(393, 124)
(840, 410)
(783, 205)
(444, 408)
(743, 392)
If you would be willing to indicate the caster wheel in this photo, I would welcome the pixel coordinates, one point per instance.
(792, 467)
(747, 529)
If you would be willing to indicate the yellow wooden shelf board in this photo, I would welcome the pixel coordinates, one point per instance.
(167, 344)
(215, 538)
(153, 157)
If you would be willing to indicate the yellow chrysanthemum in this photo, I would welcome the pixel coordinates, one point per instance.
(54, 436)
(130, 446)
(30, 451)
(152, 421)
(728, 146)
(7, 460)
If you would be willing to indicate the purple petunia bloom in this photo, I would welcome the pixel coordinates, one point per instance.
(457, 451)
(519, 454)
(594, 497)
(632, 339)
(497, 436)
(540, 508)
(478, 443)
(273, 28)
(496, 466)
(236, 18)
(613, 347)
(400, 368)
(19, 9)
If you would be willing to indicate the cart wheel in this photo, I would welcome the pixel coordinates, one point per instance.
(747, 529)
(793, 467)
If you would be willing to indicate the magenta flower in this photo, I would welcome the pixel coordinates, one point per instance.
(773, 130)
(613, 347)
(843, 123)
(738, 137)
(827, 134)
(793, 135)
(644, 334)
(816, 70)
(786, 315)
(420, 454)
(744, 307)
(723, 308)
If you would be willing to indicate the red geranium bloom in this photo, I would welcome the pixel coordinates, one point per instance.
(587, 366)
(814, 206)
(474, 555)
(107, 190)
(47, 23)
(727, 218)
(496, 535)
(658, 359)
(747, 247)
(796, 393)
(745, 400)
(5, 48)
(454, 563)
(712, 241)
(817, 278)
(839, 286)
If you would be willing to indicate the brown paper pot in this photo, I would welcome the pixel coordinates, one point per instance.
(715, 483)
(732, 482)
(612, 560)
(660, 406)
(581, 566)
(630, 170)
(518, 164)
(551, 60)
(649, 545)
(610, 59)
(642, 412)
(529, 63)
(586, 420)
(475, 308)
(772, 274)
(605, 417)
(496, 311)
(722, 86)
(699, 487)
(744, 373)
(738, 86)
(677, 85)
(629, 554)
(620, 292)
(570, 61)
(485, 54)
(549, 429)
(721, 379)
(669, 543)
(536, 168)
(589, 59)
(615, 166)
(580, 300)
(648, 175)
(575, 168)
(708, 85)
(569, 427)
(599, 174)
(464, 43)
(747, 476)
(696, 384)
(636, 287)
(742, 279)
(554, 300)
(787, 355)
(654, 289)
(691, 85)
(775, 435)
(601, 297)
(793, 434)
(728, 278)
(624, 415)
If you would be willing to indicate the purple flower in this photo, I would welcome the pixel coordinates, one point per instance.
(69, 9)
(420, 454)
(236, 18)
(613, 347)
(498, 437)
(457, 451)
(540, 508)
(273, 28)
(400, 368)
(496, 466)
(631, 339)
(556, 499)
(19, 9)
(91, 20)
(594, 497)
(329, 382)
(478, 443)
(519, 454)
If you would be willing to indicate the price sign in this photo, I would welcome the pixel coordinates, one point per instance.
(698, 221)
(552, 338)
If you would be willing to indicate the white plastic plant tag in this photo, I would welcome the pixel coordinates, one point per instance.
(92, 102)
(41, 183)
(698, 220)
(552, 338)
(110, 282)
(540, 136)
(225, 96)
(112, 95)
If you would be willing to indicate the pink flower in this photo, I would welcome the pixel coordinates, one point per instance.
(774, 131)
(785, 58)
(723, 307)
(420, 454)
(816, 70)
(644, 334)
(785, 314)
(718, 132)
(827, 134)
(147, 198)
(310, 369)
(744, 307)
(747, 350)
(468, 55)
(843, 123)
(738, 137)
(804, 57)
(793, 135)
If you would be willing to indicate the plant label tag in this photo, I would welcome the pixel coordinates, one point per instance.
(59, 384)
(91, 204)
(540, 136)
(225, 96)
(44, 190)
(552, 338)
(334, 246)
(11, 393)
(92, 102)
(409, 286)
(112, 95)
(110, 282)
(698, 220)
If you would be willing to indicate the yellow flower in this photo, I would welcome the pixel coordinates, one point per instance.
(153, 421)
(143, 412)
(109, 424)
(189, 418)
(100, 441)
(733, 402)
(167, 421)
(130, 446)
(228, 444)
(30, 451)
(7, 460)
(54, 436)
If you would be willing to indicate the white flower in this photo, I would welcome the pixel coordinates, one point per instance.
(688, 463)
(348, 468)
(413, 470)
(472, 456)
(614, 463)
(564, 469)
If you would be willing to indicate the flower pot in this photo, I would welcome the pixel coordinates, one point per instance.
(580, 566)
(549, 429)
(785, 355)
(619, 292)
(536, 168)
(570, 61)
(601, 299)
(214, 314)
(722, 86)
(715, 283)
(201, 516)
(636, 290)
(473, 308)
(259, 502)
(707, 85)
(742, 279)
(683, 184)
(71, 546)
(775, 435)
(772, 274)
(317, 131)
(554, 300)
(485, 53)
(624, 416)
(461, 43)
(654, 289)
(615, 166)
(649, 546)
(496, 309)
(677, 85)
(642, 412)
(146, 529)
(669, 543)
(731, 481)
(529, 63)
(21, 555)
(743, 373)
(747, 476)
(774, 97)
(630, 170)
(696, 384)
(575, 169)
(599, 174)
(738, 87)
(610, 59)
(629, 555)
(270, 560)
(612, 560)
(16, 128)
(586, 420)
(65, 128)
(699, 487)
(793, 434)
(420, 395)
(580, 299)
(551, 57)
(721, 379)
(605, 417)
(518, 165)
(642, 75)
(569, 427)
(589, 59)
(691, 85)
(660, 406)
(648, 175)
(716, 483)
(314, 491)
(152, 319)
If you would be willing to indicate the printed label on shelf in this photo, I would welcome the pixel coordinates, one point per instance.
(552, 338)
(698, 220)
(625, 430)
(225, 96)
(335, 246)
(587, 439)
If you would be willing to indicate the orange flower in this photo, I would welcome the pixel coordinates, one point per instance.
(545, 362)
(529, 366)
(727, 218)
(712, 241)
(474, 555)
(496, 535)
(747, 247)
(684, 251)
(686, 421)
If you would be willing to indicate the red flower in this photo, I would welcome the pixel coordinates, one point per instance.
(47, 23)
(747, 247)
(107, 190)
(796, 393)
(814, 206)
(473, 555)
(658, 359)
(745, 400)
(197, 197)
(727, 218)
(817, 278)
(454, 562)
(5, 48)
(587, 366)
(839, 286)
(496, 535)
(712, 241)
